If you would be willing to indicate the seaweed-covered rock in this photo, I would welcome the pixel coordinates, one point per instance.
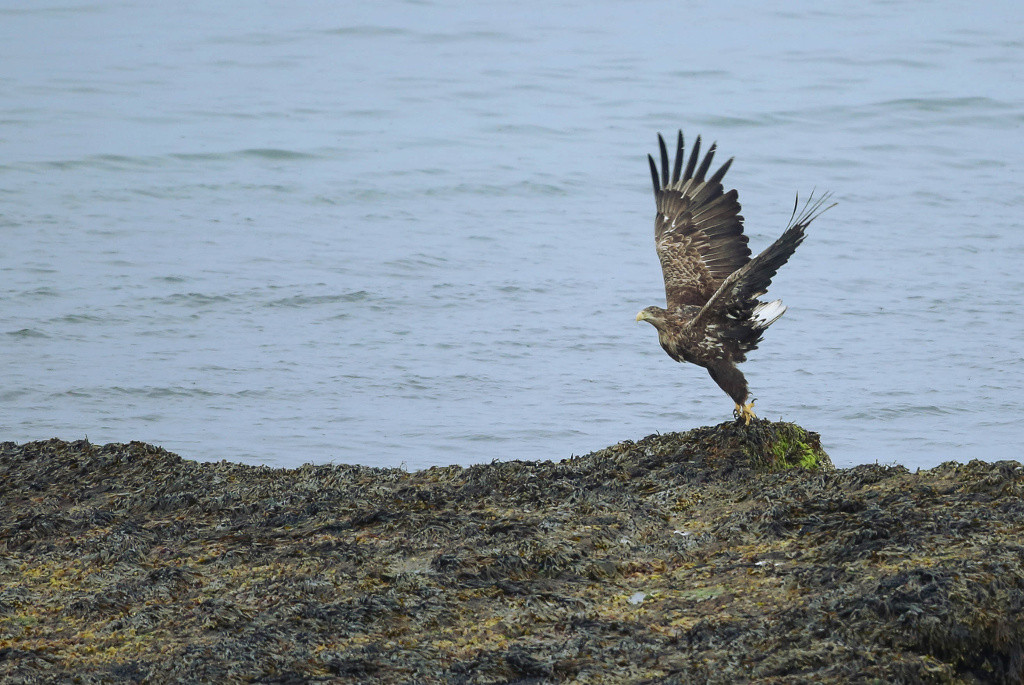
(724, 554)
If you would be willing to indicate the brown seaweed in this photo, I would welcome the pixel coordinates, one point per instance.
(724, 554)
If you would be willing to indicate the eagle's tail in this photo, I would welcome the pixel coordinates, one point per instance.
(766, 313)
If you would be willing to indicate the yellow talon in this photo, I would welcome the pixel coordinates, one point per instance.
(745, 412)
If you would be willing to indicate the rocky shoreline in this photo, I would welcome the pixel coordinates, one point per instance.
(725, 554)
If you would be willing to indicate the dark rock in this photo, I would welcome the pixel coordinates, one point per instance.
(726, 554)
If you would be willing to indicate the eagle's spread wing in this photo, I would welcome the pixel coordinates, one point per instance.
(698, 230)
(733, 317)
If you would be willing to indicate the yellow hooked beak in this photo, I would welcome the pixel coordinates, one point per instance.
(641, 316)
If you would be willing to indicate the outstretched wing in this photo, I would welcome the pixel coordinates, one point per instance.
(698, 231)
(733, 316)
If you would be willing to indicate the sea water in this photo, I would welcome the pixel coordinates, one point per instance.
(417, 233)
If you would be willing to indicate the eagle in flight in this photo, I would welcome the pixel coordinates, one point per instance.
(713, 317)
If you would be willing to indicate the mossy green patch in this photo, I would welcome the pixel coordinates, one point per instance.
(790, 446)
(762, 445)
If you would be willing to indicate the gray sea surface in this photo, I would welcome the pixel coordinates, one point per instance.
(417, 233)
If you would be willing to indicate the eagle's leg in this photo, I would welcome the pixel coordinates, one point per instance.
(731, 380)
(745, 412)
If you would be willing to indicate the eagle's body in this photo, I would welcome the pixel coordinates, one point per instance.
(713, 317)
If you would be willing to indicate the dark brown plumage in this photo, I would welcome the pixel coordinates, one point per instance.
(713, 317)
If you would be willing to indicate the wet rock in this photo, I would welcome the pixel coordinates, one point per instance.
(728, 553)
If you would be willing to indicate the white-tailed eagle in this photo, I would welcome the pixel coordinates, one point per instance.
(713, 317)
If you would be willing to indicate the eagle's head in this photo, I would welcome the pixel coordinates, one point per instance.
(656, 316)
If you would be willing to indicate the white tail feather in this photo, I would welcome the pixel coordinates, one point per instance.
(767, 313)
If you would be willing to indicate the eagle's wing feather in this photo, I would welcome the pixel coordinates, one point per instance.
(698, 230)
(733, 317)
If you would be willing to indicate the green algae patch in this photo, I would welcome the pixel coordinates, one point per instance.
(683, 557)
(787, 445)
(761, 446)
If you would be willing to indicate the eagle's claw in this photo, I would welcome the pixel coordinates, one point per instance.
(745, 412)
